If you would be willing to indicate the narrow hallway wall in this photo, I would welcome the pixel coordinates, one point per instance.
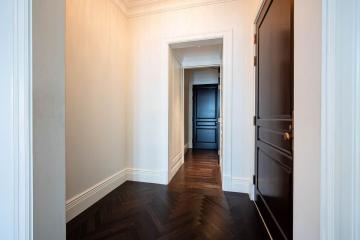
(176, 113)
(96, 97)
(48, 89)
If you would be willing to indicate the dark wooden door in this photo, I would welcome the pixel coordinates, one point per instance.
(274, 110)
(205, 116)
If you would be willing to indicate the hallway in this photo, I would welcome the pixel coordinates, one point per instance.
(193, 206)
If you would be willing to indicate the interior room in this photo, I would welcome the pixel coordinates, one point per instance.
(179, 119)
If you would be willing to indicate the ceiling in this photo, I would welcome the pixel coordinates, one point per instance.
(133, 8)
(199, 53)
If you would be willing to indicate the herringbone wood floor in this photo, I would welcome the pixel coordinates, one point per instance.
(193, 206)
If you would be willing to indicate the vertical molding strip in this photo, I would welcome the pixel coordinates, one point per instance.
(355, 165)
(327, 124)
(355, 137)
(340, 94)
(22, 119)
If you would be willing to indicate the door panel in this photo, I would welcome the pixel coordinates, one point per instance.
(275, 57)
(205, 116)
(274, 109)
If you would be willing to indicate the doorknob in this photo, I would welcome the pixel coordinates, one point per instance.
(287, 136)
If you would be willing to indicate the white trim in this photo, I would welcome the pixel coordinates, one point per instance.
(186, 147)
(237, 184)
(356, 107)
(327, 127)
(241, 185)
(147, 7)
(147, 176)
(176, 163)
(356, 132)
(227, 37)
(340, 106)
(201, 66)
(90, 196)
(22, 120)
(226, 183)
(84, 200)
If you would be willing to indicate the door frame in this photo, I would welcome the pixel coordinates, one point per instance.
(340, 151)
(20, 163)
(227, 68)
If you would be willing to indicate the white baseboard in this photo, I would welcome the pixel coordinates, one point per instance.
(86, 199)
(186, 147)
(226, 183)
(177, 162)
(241, 185)
(237, 184)
(148, 176)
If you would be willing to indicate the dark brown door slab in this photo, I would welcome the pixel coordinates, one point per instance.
(274, 114)
(205, 116)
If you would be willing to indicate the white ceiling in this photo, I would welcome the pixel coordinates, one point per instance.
(199, 53)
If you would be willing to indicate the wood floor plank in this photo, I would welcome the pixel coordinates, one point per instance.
(193, 206)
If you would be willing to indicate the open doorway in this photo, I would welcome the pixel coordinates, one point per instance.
(195, 109)
(202, 108)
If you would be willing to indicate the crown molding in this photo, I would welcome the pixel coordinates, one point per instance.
(139, 8)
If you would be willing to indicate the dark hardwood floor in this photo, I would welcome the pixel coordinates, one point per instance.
(193, 206)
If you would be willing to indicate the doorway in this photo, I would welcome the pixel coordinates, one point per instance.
(195, 105)
(185, 48)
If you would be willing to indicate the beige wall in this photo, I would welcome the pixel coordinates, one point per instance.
(96, 93)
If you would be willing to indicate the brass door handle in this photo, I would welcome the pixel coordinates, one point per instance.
(287, 136)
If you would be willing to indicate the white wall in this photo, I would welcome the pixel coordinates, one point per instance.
(150, 118)
(176, 113)
(97, 98)
(307, 105)
(49, 119)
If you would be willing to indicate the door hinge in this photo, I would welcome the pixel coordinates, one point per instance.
(255, 38)
(254, 179)
(255, 61)
(254, 121)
